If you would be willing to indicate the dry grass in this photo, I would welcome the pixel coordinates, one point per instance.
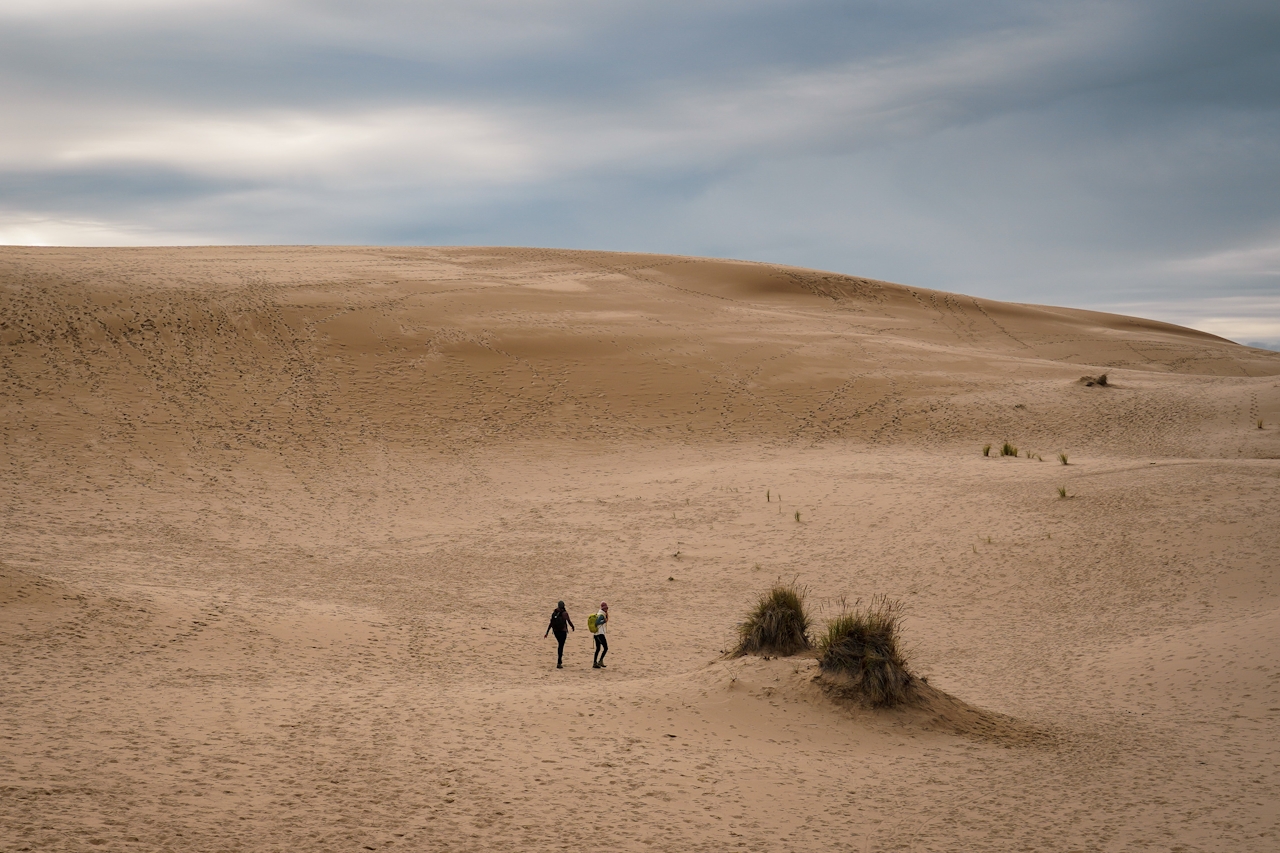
(862, 648)
(1008, 450)
(986, 450)
(777, 625)
(1062, 457)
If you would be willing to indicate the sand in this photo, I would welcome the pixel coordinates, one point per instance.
(283, 528)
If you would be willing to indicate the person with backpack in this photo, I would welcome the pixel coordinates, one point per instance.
(559, 619)
(597, 626)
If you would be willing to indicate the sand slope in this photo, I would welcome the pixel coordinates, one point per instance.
(283, 527)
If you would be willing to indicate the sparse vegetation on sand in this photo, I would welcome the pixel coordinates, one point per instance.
(861, 648)
(1259, 423)
(1062, 457)
(777, 625)
(1062, 492)
(1008, 450)
(986, 450)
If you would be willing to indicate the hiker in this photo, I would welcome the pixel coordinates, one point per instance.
(602, 645)
(559, 618)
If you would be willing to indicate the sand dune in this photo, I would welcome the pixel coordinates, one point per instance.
(283, 527)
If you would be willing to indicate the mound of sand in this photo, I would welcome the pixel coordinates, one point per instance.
(282, 527)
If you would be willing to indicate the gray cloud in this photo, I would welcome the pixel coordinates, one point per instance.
(1099, 154)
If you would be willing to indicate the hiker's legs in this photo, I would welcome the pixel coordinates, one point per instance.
(604, 647)
(595, 656)
(560, 648)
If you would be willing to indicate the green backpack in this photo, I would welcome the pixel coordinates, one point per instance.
(591, 623)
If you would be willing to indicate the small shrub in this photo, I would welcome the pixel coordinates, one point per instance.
(777, 625)
(862, 646)
(1008, 450)
(1062, 491)
(986, 450)
(1062, 457)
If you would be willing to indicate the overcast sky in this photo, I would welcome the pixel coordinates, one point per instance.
(1122, 155)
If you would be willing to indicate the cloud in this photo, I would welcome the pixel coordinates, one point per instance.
(684, 124)
(1260, 260)
(19, 230)
(437, 144)
(59, 10)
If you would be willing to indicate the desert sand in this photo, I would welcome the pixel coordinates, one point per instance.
(283, 527)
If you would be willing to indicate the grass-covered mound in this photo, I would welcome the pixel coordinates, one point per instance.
(777, 625)
(862, 650)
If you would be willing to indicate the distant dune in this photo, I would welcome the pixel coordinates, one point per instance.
(282, 526)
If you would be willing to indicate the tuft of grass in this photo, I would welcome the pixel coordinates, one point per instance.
(768, 495)
(862, 646)
(797, 516)
(1008, 450)
(777, 625)
(986, 450)
(1259, 423)
(1062, 492)
(1062, 457)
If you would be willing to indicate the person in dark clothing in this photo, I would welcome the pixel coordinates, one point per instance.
(559, 619)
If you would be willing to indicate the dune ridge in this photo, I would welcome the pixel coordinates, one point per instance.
(283, 527)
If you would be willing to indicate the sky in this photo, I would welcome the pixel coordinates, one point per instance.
(1122, 155)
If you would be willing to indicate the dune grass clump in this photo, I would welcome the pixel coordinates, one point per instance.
(1062, 493)
(777, 625)
(862, 648)
(1008, 450)
(986, 450)
(1062, 457)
